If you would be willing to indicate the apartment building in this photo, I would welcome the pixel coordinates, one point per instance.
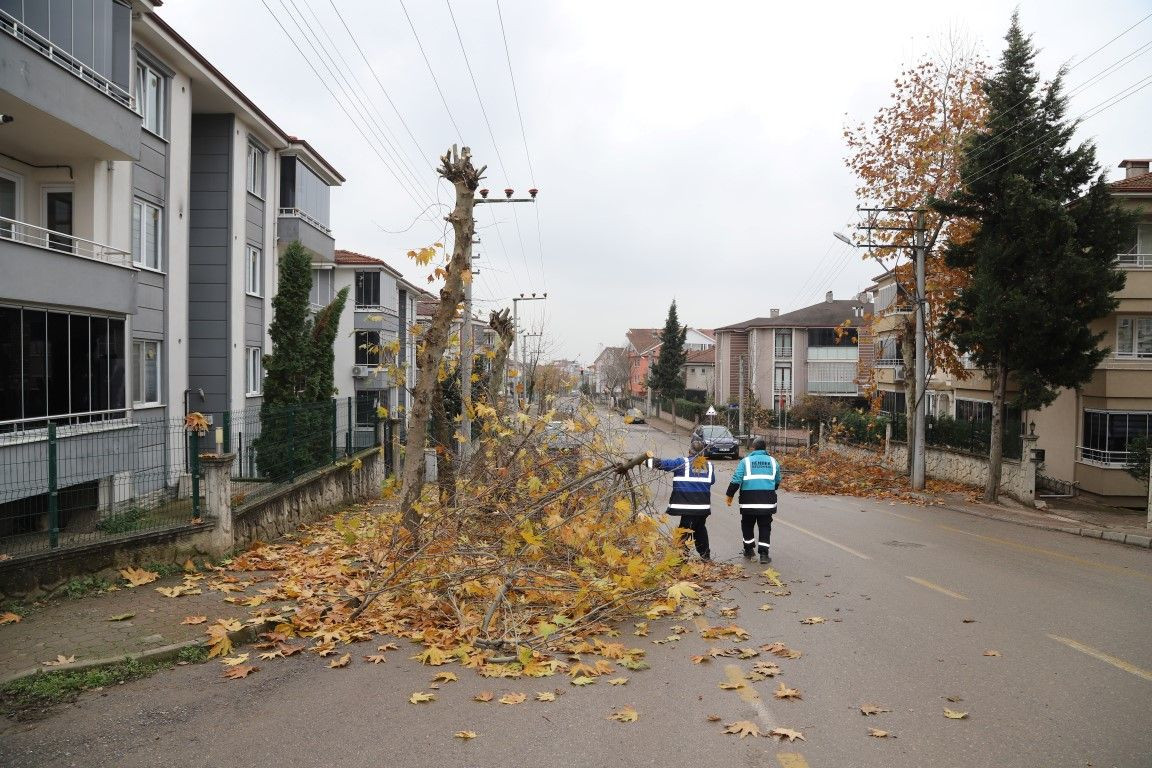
(138, 219)
(815, 350)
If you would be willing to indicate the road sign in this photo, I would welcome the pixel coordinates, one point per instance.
(710, 412)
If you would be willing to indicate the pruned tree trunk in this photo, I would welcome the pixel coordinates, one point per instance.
(442, 437)
(457, 168)
(501, 323)
(996, 444)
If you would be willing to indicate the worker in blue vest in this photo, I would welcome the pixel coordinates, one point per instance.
(757, 477)
(691, 499)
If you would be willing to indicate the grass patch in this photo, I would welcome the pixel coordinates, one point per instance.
(32, 698)
(122, 522)
(165, 569)
(83, 586)
(193, 654)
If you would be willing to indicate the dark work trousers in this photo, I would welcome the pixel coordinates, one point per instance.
(748, 526)
(696, 530)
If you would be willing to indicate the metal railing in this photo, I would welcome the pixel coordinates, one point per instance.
(48, 239)
(1102, 457)
(296, 213)
(1135, 260)
(63, 59)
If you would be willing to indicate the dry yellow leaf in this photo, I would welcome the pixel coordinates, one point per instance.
(729, 686)
(233, 661)
(483, 696)
(624, 715)
(878, 733)
(766, 607)
(194, 619)
(376, 658)
(60, 661)
(546, 696)
(238, 672)
(419, 697)
(618, 681)
(10, 618)
(872, 709)
(582, 680)
(742, 728)
(137, 577)
(813, 620)
(465, 735)
(952, 714)
(748, 653)
(713, 718)
(512, 698)
(341, 662)
(784, 692)
(991, 652)
(786, 733)
(446, 677)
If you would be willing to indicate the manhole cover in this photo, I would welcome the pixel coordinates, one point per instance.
(895, 543)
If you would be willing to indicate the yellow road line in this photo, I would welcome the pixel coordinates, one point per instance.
(1107, 658)
(791, 760)
(849, 550)
(1051, 553)
(937, 587)
(735, 675)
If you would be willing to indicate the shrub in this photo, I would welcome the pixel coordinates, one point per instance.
(124, 521)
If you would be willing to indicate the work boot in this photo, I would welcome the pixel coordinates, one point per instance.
(706, 556)
(765, 558)
(749, 553)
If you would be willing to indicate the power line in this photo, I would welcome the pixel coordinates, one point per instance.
(524, 136)
(376, 77)
(443, 100)
(339, 103)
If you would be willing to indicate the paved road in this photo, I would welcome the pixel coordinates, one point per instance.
(912, 597)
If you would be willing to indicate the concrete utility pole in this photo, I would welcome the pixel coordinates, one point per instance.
(516, 332)
(467, 352)
(740, 419)
(918, 455)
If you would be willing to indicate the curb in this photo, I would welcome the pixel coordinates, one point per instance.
(1130, 539)
(245, 634)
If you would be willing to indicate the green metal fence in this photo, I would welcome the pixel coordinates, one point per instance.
(70, 484)
(944, 432)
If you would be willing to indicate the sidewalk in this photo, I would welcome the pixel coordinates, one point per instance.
(1073, 516)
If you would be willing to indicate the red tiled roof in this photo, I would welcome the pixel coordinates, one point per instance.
(1141, 183)
(351, 257)
(701, 357)
(643, 339)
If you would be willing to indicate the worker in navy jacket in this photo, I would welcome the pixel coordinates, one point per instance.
(691, 499)
(756, 477)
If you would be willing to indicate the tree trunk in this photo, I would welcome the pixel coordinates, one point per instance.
(908, 352)
(442, 437)
(996, 444)
(458, 169)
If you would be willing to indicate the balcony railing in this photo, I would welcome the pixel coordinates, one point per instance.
(39, 237)
(888, 362)
(1102, 457)
(296, 213)
(65, 60)
(1134, 260)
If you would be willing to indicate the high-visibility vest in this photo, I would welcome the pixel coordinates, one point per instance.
(758, 486)
(691, 494)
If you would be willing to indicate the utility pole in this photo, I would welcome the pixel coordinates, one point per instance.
(516, 332)
(740, 421)
(921, 359)
(467, 352)
(529, 386)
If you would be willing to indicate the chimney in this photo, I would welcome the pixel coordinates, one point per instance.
(828, 297)
(774, 313)
(1134, 167)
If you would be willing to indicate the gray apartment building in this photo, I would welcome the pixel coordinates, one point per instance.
(141, 194)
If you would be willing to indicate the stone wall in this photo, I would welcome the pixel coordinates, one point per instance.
(1017, 477)
(223, 530)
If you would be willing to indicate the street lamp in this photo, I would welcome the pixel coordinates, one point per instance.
(843, 238)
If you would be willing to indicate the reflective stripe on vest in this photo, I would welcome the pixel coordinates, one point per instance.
(688, 478)
(748, 470)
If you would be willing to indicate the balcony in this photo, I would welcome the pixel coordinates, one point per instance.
(40, 266)
(295, 224)
(1134, 261)
(52, 94)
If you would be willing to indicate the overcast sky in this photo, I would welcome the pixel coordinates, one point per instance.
(683, 151)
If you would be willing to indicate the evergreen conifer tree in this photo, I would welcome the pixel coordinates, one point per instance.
(1041, 260)
(666, 377)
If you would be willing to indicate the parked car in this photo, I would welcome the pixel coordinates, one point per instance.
(633, 416)
(558, 439)
(718, 441)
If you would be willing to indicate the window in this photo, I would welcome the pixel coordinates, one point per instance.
(58, 217)
(69, 367)
(147, 221)
(254, 371)
(368, 289)
(973, 410)
(303, 191)
(321, 292)
(783, 343)
(253, 277)
(255, 170)
(888, 351)
(1106, 434)
(150, 97)
(145, 372)
(828, 337)
(782, 379)
(367, 348)
(10, 192)
(1134, 337)
(366, 402)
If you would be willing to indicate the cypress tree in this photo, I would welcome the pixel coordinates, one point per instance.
(666, 376)
(1042, 259)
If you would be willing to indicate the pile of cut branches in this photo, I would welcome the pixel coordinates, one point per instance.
(549, 536)
(834, 474)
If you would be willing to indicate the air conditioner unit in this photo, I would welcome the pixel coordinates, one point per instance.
(361, 371)
(898, 372)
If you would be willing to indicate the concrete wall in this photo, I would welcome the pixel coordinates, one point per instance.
(1017, 478)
